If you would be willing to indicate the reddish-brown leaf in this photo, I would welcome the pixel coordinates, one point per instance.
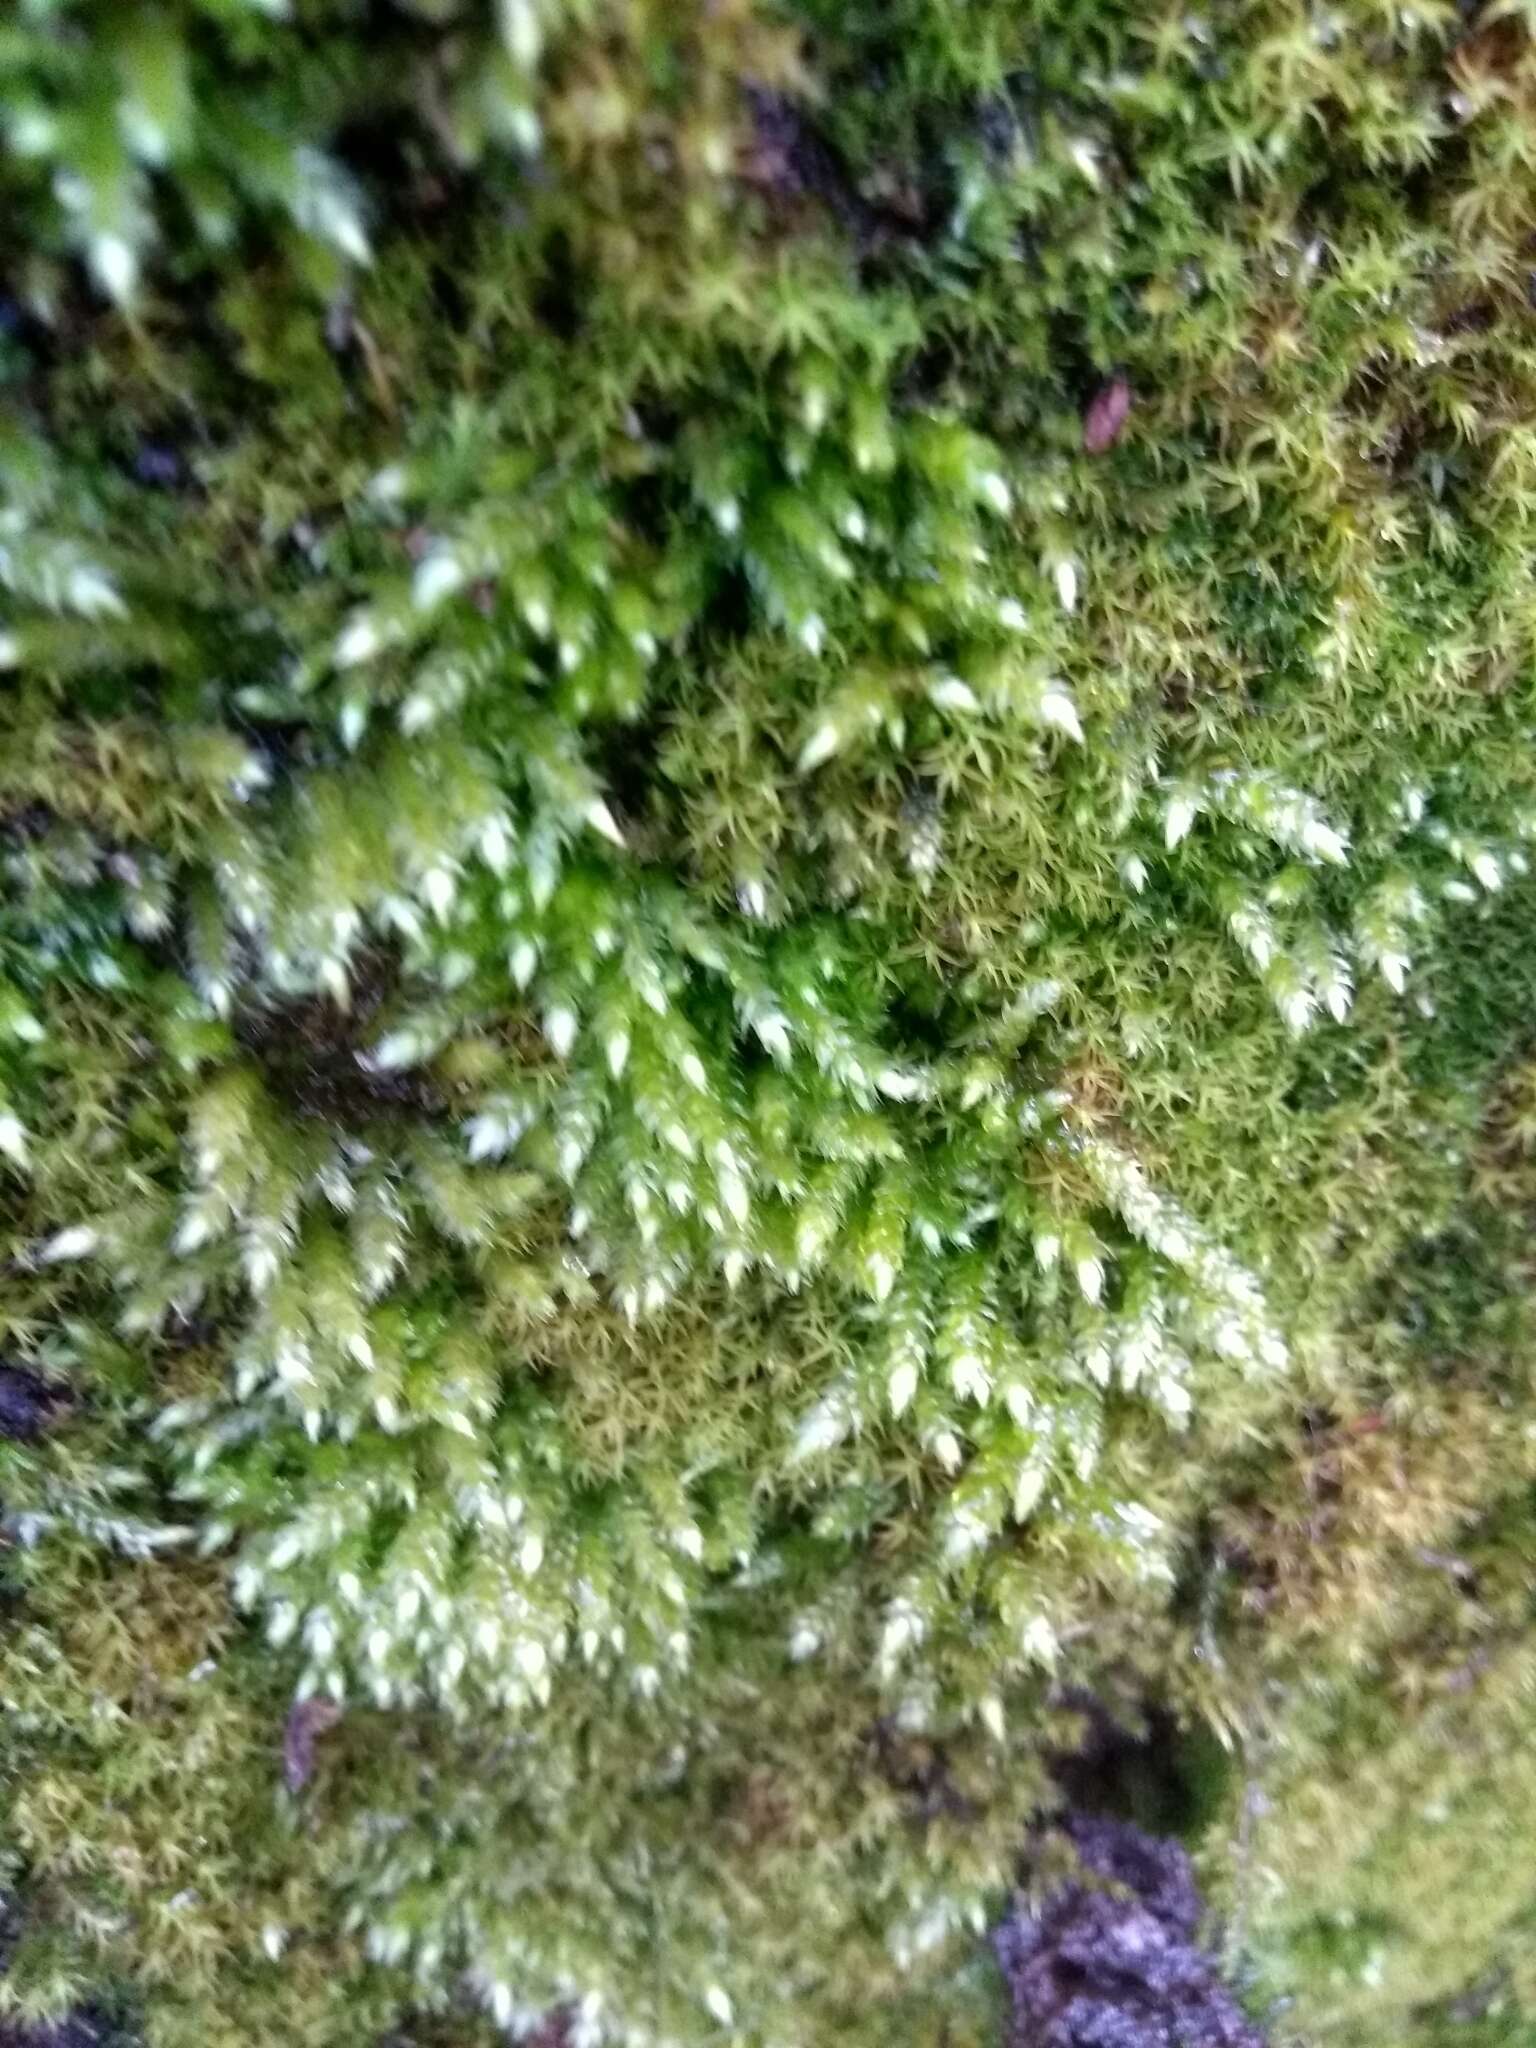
(1104, 421)
(307, 1720)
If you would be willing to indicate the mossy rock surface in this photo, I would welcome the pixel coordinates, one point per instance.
(766, 787)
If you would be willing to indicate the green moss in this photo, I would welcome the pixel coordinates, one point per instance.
(710, 1045)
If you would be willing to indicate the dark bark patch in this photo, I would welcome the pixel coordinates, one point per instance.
(1111, 1959)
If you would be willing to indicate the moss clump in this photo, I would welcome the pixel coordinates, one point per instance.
(765, 792)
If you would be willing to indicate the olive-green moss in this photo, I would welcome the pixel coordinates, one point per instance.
(720, 1014)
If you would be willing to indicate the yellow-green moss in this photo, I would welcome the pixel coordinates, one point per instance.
(715, 1031)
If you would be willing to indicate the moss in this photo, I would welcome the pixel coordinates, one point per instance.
(764, 988)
